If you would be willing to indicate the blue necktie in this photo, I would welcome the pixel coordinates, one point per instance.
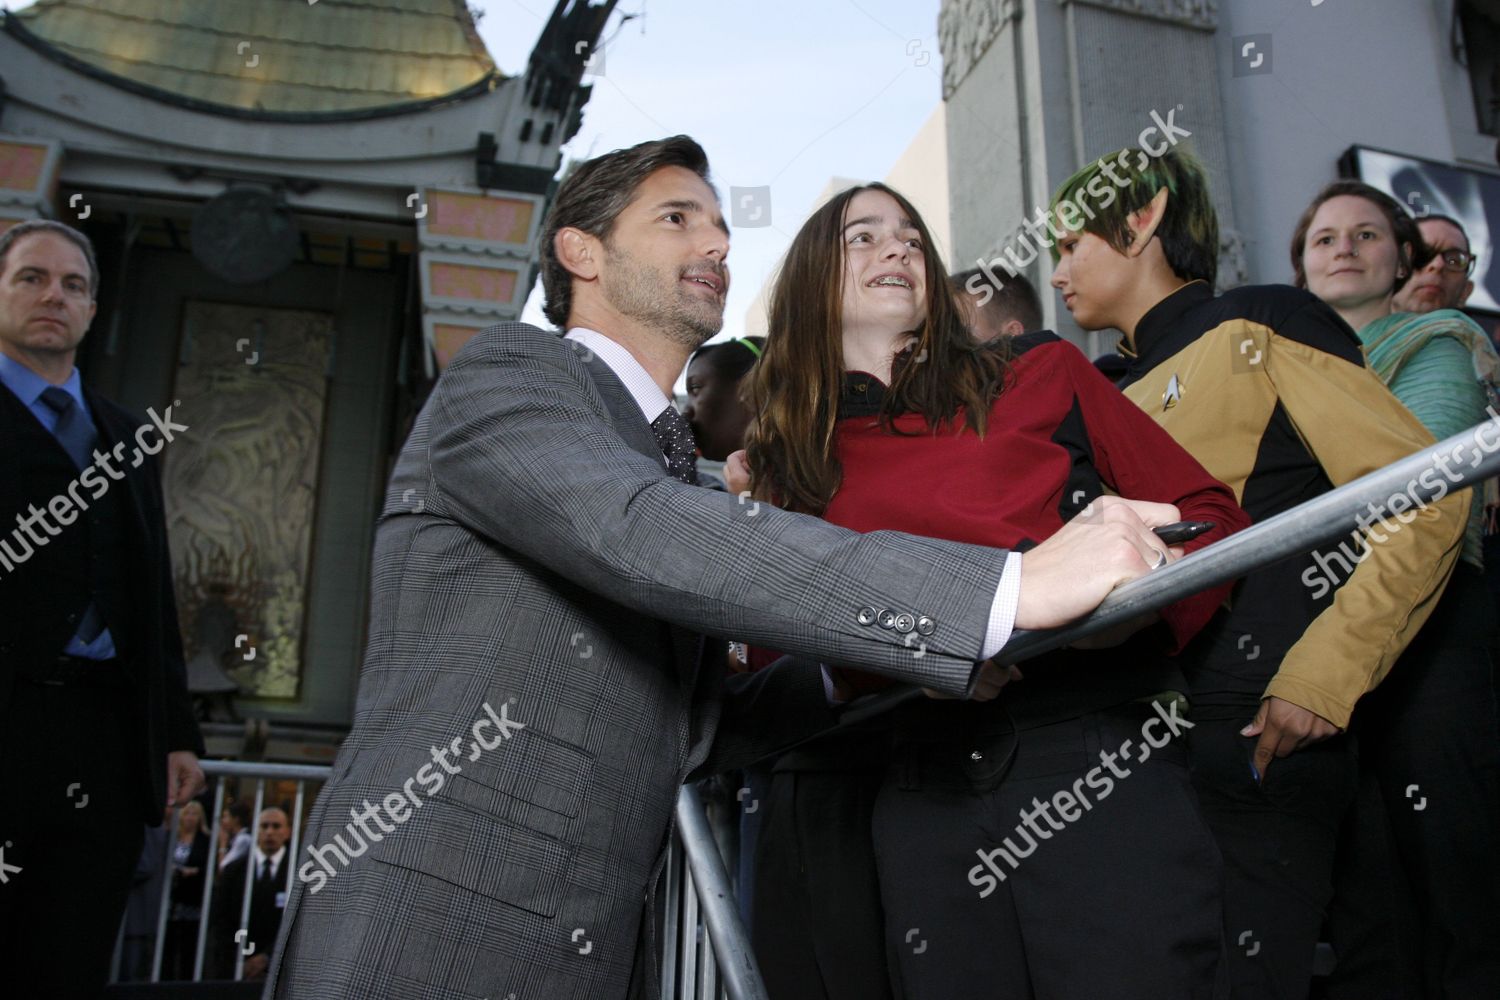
(76, 433)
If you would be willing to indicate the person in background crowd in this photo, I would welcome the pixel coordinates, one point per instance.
(1007, 311)
(270, 879)
(1433, 723)
(189, 862)
(234, 833)
(717, 415)
(1445, 281)
(97, 735)
(1266, 386)
(714, 411)
(877, 409)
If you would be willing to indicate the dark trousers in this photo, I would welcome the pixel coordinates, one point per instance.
(1121, 903)
(70, 818)
(818, 930)
(1278, 839)
(1429, 736)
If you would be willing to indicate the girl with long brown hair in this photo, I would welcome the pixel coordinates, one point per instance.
(876, 410)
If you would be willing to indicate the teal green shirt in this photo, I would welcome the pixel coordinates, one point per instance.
(1437, 364)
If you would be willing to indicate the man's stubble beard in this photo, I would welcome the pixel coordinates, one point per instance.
(629, 285)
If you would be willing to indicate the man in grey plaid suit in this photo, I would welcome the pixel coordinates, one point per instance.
(536, 686)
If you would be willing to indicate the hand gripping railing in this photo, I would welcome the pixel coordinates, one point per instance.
(1422, 476)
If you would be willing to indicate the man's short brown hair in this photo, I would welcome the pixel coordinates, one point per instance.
(592, 198)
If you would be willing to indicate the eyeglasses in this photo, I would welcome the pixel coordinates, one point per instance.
(1457, 261)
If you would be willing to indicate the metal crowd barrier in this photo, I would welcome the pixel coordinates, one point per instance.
(706, 953)
(218, 771)
(1290, 533)
(699, 903)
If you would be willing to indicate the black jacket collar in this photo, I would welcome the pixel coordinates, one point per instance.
(1163, 318)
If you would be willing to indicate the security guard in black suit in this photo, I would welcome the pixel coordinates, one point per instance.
(97, 736)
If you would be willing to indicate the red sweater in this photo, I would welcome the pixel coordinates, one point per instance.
(1058, 436)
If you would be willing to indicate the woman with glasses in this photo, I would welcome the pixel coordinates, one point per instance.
(1032, 844)
(1433, 723)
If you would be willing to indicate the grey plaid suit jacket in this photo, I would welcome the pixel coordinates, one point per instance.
(537, 575)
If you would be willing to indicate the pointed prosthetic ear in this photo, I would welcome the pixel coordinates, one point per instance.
(1144, 221)
(578, 252)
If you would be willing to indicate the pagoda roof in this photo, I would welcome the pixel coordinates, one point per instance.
(270, 58)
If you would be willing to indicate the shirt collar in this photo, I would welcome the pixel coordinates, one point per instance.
(642, 387)
(861, 396)
(1162, 318)
(260, 856)
(28, 385)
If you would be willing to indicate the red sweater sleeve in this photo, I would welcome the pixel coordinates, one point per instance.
(1140, 461)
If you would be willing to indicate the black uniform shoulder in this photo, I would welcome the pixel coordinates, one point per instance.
(1027, 341)
(1295, 314)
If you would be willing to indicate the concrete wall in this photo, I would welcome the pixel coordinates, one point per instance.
(1036, 88)
(921, 174)
(1373, 74)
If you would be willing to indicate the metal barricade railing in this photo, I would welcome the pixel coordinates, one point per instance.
(220, 773)
(701, 920)
(1424, 476)
(706, 953)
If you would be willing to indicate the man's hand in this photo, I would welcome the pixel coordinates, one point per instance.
(184, 778)
(737, 473)
(1283, 728)
(255, 966)
(988, 684)
(1110, 543)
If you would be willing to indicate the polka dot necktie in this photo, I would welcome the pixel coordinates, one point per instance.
(675, 439)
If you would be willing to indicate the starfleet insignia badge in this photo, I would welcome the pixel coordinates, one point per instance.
(1173, 395)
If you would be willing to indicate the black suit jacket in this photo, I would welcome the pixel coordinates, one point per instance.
(265, 915)
(40, 595)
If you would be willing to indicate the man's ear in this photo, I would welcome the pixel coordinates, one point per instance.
(578, 252)
(1144, 222)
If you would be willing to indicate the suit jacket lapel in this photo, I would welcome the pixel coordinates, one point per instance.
(628, 419)
(113, 429)
(633, 427)
(17, 421)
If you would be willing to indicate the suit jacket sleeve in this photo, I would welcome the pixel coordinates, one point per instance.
(522, 451)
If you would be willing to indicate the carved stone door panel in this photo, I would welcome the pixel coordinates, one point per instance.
(241, 486)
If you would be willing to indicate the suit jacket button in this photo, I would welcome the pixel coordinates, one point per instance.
(887, 619)
(905, 623)
(866, 616)
(926, 626)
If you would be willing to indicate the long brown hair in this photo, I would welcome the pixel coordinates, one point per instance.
(794, 390)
